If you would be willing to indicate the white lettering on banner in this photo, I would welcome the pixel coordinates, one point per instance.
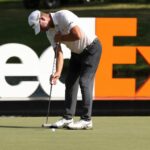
(28, 67)
(31, 66)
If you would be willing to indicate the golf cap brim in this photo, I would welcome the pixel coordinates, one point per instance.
(36, 28)
(33, 21)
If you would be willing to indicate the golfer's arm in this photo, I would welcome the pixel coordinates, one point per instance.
(75, 34)
(59, 61)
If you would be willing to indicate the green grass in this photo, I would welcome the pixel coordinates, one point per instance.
(112, 6)
(109, 133)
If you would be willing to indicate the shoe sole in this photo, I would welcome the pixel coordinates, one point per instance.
(85, 128)
(61, 127)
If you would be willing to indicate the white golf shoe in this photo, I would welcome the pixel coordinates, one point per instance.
(62, 123)
(82, 124)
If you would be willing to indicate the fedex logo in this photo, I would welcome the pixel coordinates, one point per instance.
(106, 85)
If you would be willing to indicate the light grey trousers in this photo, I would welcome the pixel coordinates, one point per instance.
(81, 72)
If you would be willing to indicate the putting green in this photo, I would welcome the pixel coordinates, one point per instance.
(109, 133)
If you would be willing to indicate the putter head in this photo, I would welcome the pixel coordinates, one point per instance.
(46, 125)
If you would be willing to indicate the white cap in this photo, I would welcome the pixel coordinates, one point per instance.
(33, 21)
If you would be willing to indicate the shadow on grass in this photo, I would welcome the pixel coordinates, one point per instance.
(34, 127)
(21, 127)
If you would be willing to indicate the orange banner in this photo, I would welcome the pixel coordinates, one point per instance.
(107, 87)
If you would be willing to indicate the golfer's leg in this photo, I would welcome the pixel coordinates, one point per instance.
(89, 66)
(86, 84)
(72, 84)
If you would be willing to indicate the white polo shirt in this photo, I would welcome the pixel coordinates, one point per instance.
(64, 21)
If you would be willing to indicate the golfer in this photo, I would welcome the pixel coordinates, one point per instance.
(64, 27)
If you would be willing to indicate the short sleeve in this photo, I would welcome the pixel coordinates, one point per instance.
(71, 25)
(69, 19)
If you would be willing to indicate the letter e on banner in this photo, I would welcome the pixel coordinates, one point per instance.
(28, 67)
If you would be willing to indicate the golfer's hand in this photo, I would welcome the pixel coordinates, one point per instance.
(58, 37)
(54, 78)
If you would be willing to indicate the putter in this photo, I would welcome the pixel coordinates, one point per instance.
(46, 124)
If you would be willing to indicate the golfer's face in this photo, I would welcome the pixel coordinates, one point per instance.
(43, 24)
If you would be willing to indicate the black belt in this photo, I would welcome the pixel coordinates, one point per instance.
(89, 46)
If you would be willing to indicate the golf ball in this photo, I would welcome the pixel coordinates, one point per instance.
(53, 130)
